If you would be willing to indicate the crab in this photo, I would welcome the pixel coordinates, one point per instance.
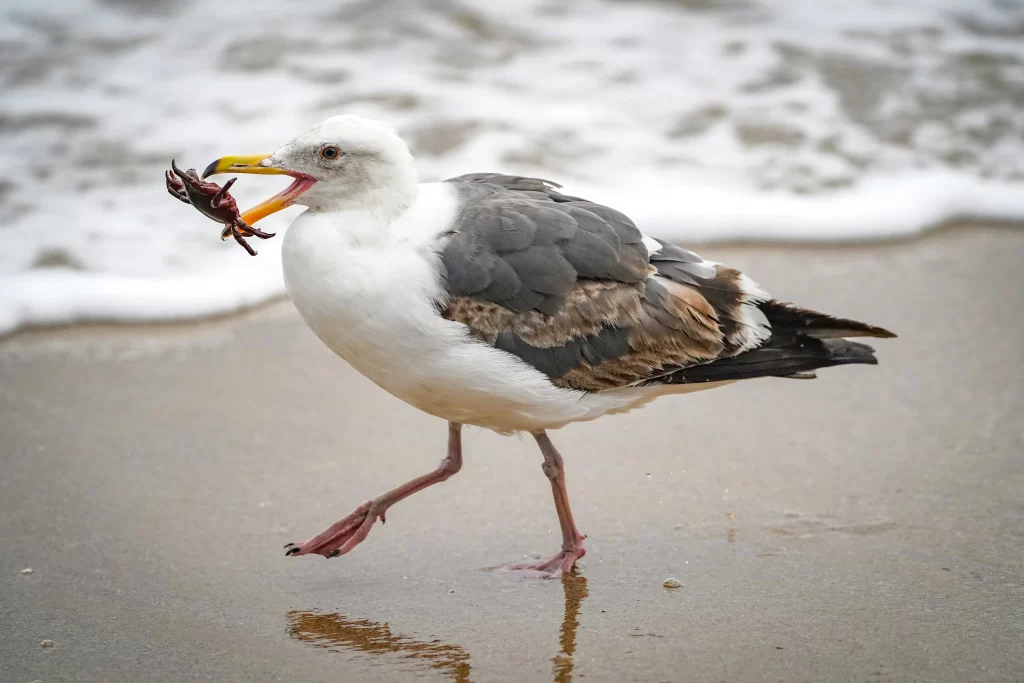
(214, 202)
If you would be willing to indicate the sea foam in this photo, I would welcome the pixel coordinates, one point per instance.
(703, 121)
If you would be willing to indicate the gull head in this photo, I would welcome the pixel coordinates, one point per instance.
(346, 162)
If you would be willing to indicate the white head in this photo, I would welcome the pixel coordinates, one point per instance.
(345, 163)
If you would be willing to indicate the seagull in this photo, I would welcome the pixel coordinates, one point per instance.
(499, 301)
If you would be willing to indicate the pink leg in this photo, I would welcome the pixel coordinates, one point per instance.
(346, 534)
(572, 539)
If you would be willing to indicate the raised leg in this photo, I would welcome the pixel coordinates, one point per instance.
(346, 534)
(572, 539)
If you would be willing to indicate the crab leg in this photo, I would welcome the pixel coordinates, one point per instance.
(178, 171)
(215, 202)
(238, 238)
(248, 230)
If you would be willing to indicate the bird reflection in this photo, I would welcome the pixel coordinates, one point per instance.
(338, 633)
(575, 588)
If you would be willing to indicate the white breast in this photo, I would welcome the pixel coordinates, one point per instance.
(369, 291)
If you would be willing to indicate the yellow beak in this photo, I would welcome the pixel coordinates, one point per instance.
(253, 164)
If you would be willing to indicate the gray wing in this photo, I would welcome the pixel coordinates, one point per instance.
(521, 244)
(568, 286)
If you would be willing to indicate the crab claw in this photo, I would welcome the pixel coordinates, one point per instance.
(175, 187)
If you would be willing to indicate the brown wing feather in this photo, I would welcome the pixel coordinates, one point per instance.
(661, 323)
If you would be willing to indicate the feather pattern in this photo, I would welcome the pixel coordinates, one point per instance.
(575, 290)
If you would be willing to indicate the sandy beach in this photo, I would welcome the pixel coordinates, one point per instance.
(866, 526)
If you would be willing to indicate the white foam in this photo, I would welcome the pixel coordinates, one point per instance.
(57, 296)
(879, 208)
(804, 120)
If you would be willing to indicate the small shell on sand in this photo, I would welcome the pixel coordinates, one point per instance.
(47, 644)
(28, 570)
(672, 583)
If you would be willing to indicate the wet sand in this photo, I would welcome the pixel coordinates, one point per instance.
(866, 526)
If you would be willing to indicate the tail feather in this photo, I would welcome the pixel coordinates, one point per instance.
(801, 342)
(779, 358)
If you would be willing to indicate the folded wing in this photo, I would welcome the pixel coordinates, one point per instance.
(575, 290)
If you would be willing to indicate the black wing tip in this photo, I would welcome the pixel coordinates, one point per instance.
(798, 356)
(788, 317)
(846, 352)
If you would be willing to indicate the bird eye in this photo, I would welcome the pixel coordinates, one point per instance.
(330, 152)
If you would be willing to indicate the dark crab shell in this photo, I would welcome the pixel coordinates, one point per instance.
(214, 202)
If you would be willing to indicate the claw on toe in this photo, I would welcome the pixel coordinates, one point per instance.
(342, 536)
(562, 563)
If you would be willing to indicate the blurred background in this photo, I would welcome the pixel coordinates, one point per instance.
(703, 119)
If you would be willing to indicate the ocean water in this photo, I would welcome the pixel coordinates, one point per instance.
(702, 119)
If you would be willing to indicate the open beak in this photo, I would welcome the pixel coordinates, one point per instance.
(258, 164)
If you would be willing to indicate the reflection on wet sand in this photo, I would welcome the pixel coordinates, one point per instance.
(575, 588)
(337, 633)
